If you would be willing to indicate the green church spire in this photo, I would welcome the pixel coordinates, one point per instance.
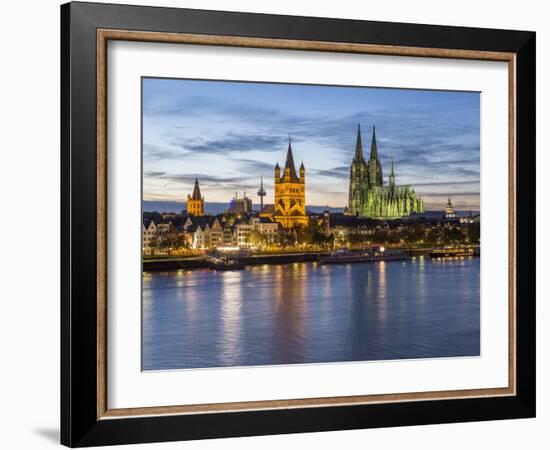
(358, 145)
(373, 147)
(375, 168)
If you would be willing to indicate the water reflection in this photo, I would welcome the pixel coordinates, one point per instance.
(231, 298)
(305, 313)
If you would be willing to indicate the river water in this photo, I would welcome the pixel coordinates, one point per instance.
(311, 313)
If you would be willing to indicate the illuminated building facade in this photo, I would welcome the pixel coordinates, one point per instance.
(368, 197)
(290, 194)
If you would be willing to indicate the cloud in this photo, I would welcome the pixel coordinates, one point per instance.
(448, 183)
(228, 141)
(153, 174)
(184, 178)
(253, 166)
(446, 194)
(199, 105)
(338, 172)
(154, 152)
(232, 143)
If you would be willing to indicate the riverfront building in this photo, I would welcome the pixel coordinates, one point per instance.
(368, 197)
(240, 205)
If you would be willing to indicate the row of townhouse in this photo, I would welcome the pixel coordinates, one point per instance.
(206, 232)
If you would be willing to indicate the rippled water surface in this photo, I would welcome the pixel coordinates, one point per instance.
(309, 313)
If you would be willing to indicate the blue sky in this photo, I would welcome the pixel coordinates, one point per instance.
(229, 133)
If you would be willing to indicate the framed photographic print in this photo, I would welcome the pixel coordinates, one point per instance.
(277, 224)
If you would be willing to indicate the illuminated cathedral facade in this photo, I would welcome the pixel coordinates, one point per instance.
(368, 197)
(289, 208)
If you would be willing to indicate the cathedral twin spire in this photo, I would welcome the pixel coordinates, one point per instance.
(368, 197)
(359, 145)
(373, 167)
(373, 147)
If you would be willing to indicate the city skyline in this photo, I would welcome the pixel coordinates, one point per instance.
(228, 134)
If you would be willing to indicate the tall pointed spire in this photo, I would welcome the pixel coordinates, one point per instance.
(392, 175)
(196, 191)
(289, 164)
(358, 145)
(373, 147)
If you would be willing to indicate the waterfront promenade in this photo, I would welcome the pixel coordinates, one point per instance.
(199, 262)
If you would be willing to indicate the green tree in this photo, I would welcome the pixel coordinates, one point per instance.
(285, 238)
(412, 234)
(355, 237)
(311, 235)
(167, 242)
(381, 236)
(256, 238)
(453, 235)
(473, 232)
(435, 235)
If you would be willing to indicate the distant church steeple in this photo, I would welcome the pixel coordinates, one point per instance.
(195, 202)
(449, 210)
(196, 191)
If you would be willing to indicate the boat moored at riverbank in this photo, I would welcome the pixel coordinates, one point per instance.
(454, 252)
(224, 263)
(373, 254)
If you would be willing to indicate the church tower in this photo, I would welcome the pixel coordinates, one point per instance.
(375, 168)
(290, 193)
(195, 202)
(392, 176)
(449, 210)
(358, 176)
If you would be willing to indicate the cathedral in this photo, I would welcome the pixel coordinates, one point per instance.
(368, 197)
(289, 208)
